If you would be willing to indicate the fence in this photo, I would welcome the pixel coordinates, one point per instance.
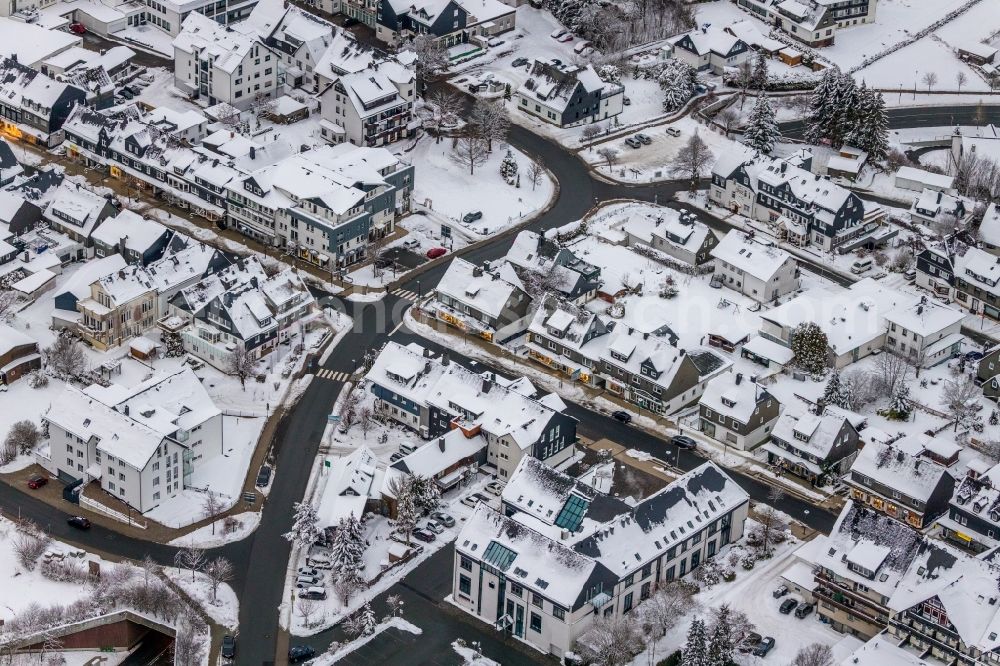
(94, 505)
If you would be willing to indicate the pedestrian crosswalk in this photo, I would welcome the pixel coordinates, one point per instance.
(405, 294)
(333, 376)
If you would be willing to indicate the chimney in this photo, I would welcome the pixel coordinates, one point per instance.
(126, 409)
(477, 271)
(645, 336)
(441, 443)
(427, 367)
(739, 378)
(445, 360)
(939, 197)
(487, 385)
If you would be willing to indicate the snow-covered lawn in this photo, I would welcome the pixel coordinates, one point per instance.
(906, 68)
(203, 537)
(223, 609)
(342, 651)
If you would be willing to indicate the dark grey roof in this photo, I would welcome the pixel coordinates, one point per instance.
(707, 362)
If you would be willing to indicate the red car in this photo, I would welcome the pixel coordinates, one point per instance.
(37, 481)
(436, 252)
(77, 28)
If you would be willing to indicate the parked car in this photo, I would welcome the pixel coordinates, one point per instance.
(79, 522)
(557, 33)
(787, 606)
(621, 415)
(443, 518)
(582, 46)
(228, 647)
(780, 591)
(434, 526)
(264, 477)
(494, 488)
(481, 497)
(469, 218)
(77, 28)
(315, 593)
(749, 642)
(803, 610)
(519, 62)
(684, 442)
(627, 101)
(763, 647)
(396, 456)
(305, 580)
(299, 653)
(411, 243)
(36, 481)
(495, 41)
(126, 93)
(673, 131)
(436, 252)
(470, 501)
(633, 142)
(319, 561)
(308, 571)
(423, 535)
(644, 139)
(384, 261)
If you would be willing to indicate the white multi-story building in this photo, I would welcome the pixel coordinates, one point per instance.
(224, 63)
(140, 445)
(813, 22)
(371, 107)
(759, 270)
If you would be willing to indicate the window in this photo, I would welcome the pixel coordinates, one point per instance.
(465, 585)
(558, 613)
(516, 589)
(466, 563)
(627, 605)
(536, 600)
(536, 622)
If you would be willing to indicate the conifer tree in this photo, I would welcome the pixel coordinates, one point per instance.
(762, 130)
(695, 652)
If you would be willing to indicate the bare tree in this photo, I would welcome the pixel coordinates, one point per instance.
(211, 506)
(609, 155)
(611, 641)
(816, 654)
(240, 363)
(23, 436)
(65, 357)
(692, 159)
(470, 151)
(431, 56)
(9, 300)
(192, 559)
(960, 79)
(661, 612)
(347, 584)
(929, 79)
(446, 105)
(307, 608)
(366, 419)
(188, 646)
(890, 371)
(728, 119)
(534, 173)
(589, 132)
(150, 569)
(489, 121)
(960, 398)
(28, 545)
(219, 571)
(262, 104)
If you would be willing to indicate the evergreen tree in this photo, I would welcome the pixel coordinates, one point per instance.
(508, 168)
(677, 81)
(348, 548)
(305, 528)
(720, 646)
(845, 103)
(759, 77)
(899, 408)
(762, 131)
(367, 622)
(695, 652)
(809, 348)
(874, 131)
(832, 392)
(822, 115)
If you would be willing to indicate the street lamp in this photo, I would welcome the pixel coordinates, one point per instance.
(419, 295)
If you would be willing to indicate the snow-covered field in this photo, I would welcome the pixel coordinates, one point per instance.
(224, 608)
(207, 537)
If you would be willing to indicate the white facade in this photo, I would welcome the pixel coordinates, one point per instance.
(760, 271)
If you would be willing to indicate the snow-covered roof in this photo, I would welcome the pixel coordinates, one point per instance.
(901, 467)
(225, 45)
(675, 228)
(11, 337)
(760, 260)
(90, 272)
(989, 229)
(925, 317)
(938, 181)
(735, 395)
(126, 284)
(811, 433)
(709, 39)
(77, 207)
(31, 43)
(882, 650)
(769, 349)
(976, 48)
(436, 456)
(476, 287)
(554, 86)
(139, 233)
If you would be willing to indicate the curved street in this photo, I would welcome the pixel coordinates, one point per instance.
(261, 559)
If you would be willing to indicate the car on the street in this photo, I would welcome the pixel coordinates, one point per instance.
(469, 218)
(436, 252)
(443, 518)
(298, 653)
(803, 610)
(621, 415)
(264, 476)
(36, 481)
(644, 139)
(684, 442)
(494, 488)
(749, 642)
(763, 647)
(787, 606)
(557, 33)
(780, 591)
(519, 62)
(434, 526)
(228, 647)
(633, 142)
(79, 522)
(423, 535)
(411, 243)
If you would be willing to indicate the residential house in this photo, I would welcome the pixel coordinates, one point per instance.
(568, 95)
(482, 300)
(973, 520)
(918, 180)
(968, 276)
(817, 447)
(708, 48)
(34, 106)
(982, 142)
(347, 55)
(559, 337)
(812, 22)
(988, 373)
(807, 208)
(30, 42)
(139, 240)
(66, 314)
(451, 459)
(896, 479)
(188, 125)
(224, 63)
(299, 38)
(76, 212)
(937, 207)
(537, 259)
(372, 107)
(140, 445)
(530, 577)
(754, 268)
(989, 229)
(353, 485)
(18, 215)
(19, 355)
(433, 396)
(926, 332)
(451, 23)
(678, 234)
(737, 411)
(121, 306)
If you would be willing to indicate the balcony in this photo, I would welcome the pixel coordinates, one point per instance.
(837, 599)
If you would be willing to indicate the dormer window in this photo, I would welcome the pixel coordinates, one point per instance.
(728, 402)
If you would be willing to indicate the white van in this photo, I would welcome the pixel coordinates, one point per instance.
(862, 266)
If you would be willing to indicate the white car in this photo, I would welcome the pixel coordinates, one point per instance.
(582, 46)
(494, 488)
(495, 41)
(557, 33)
(411, 243)
(434, 526)
(568, 37)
